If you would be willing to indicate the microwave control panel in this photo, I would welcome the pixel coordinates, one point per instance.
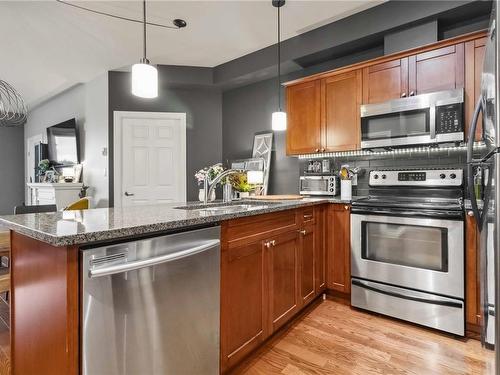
(449, 118)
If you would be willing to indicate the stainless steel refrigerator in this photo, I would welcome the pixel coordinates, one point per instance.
(485, 196)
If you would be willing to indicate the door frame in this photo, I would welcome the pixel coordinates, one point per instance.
(118, 116)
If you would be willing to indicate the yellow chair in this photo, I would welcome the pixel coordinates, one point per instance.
(82, 204)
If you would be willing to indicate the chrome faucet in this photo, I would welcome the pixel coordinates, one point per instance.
(209, 185)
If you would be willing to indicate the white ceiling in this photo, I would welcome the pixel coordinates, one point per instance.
(48, 47)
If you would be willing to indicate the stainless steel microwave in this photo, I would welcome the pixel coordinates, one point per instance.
(319, 185)
(416, 120)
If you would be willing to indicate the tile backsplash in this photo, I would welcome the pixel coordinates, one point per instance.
(447, 158)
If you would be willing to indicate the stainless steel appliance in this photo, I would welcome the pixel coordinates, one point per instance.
(319, 185)
(421, 119)
(487, 215)
(152, 306)
(407, 247)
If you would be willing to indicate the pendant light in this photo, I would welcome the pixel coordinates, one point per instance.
(144, 75)
(278, 120)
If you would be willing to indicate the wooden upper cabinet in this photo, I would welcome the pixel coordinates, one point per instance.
(339, 248)
(243, 301)
(304, 124)
(283, 277)
(436, 70)
(341, 95)
(385, 81)
(474, 59)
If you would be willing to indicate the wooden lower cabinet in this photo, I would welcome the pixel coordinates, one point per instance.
(307, 263)
(338, 247)
(271, 267)
(283, 263)
(244, 294)
(472, 287)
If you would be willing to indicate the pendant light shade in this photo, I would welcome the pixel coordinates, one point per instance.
(144, 75)
(144, 80)
(278, 119)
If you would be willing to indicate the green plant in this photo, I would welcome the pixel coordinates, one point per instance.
(44, 165)
(239, 182)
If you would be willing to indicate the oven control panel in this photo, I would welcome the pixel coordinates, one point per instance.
(420, 177)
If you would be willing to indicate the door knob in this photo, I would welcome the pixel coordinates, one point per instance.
(470, 213)
(127, 194)
(317, 150)
(302, 232)
(412, 93)
(403, 95)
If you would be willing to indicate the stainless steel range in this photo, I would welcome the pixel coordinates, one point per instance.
(407, 240)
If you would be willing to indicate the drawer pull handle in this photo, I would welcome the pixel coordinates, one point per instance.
(308, 216)
(303, 232)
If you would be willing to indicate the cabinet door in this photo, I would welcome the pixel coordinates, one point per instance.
(319, 250)
(474, 59)
(304, 123)
(243, 301)
(283, 275)
(437, 70)
(339, 248)
(472, 286)
(341, 118)
(385, 81)
(307, 247)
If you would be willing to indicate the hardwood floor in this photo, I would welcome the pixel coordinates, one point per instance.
(335, 339)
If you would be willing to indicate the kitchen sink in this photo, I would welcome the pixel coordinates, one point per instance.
(225, 208)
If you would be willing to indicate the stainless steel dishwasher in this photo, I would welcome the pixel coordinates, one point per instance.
(152, 306)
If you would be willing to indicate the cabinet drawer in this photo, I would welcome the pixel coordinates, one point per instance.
(46, 195)
(259, 226)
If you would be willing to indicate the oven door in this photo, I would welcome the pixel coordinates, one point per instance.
(421, 253)
(406, 127)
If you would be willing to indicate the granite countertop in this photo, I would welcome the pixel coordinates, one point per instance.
(65, 228)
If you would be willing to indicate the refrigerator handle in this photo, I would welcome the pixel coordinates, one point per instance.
(470, 166)
(472, 128)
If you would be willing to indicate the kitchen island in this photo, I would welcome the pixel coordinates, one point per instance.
(46, 270)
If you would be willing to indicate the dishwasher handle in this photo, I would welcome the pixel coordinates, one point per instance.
(142, 263)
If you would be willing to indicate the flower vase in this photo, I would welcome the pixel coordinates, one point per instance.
(201, 195)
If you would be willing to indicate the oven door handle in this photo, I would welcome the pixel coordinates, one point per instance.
(411, 298)
(408, 213)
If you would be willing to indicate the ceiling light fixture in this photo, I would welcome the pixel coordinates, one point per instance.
(13, 110)
(278, 119)
(144, 75)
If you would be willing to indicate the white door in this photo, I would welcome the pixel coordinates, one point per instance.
(30, 162)
(149, 158)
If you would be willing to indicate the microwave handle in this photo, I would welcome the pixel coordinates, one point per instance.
(432, 121)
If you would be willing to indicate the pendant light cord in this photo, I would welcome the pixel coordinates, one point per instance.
(175, 26)
(279, 60)
(144, 23)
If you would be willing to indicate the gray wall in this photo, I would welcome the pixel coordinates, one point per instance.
(203, 107)
(88, 104)
(11, 169)
(246, 111)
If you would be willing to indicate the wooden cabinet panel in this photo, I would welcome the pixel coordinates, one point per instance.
(474, 59)
(304, 110)
(283, 277)
(339, 248)
(319, 250)
(385, 81)
(307, 247)
(342, 96)
(436, 70)
(243, 301)
(45, 280)
(472, 286)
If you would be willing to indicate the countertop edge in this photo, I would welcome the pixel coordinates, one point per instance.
(152, 228)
